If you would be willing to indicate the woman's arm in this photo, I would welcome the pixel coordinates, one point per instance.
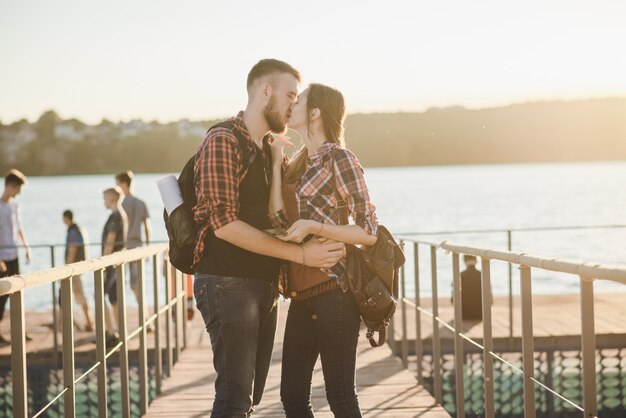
(349, 234)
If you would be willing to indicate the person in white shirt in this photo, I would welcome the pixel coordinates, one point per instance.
(11, 232)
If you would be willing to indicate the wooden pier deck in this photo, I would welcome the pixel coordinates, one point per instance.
(386, 389)
(556, 323)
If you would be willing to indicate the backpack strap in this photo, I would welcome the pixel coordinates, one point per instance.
(246, 157)
(341, 206)
(382, 334)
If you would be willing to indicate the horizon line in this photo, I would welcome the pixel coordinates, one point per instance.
(618, 96)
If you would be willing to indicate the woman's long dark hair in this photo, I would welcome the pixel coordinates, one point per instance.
(332, 109)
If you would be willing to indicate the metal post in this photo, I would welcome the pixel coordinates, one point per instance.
(527, 342)
(55, 320)
(18, 355)
(510, 247)
(67, 312)
(101, 343)
(185, 290)
(588, 347)
(436, 339)
(168, 319)
(158, 360)
(487, 339)
(459, 356)
(177, 315)
(418, 315)
(143, 352)
(124, 372)
(405, 342)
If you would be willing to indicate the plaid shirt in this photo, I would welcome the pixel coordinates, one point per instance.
(315, 194)
(218, 170)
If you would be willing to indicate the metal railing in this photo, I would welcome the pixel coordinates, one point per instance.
(54, 290)
(16, 285)
(587, 273)
(509, 241)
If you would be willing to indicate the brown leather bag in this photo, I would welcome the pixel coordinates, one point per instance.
(302, 282)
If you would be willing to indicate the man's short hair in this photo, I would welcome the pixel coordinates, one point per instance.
(125, 177)
(68, 214)
(15, 177)
(270, 66)
(113, 191)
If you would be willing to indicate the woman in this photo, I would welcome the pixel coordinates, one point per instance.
(323, 320)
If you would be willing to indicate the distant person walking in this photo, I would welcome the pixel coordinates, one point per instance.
(11, 232)
(138, 216)
(75, 251)
(113, 239)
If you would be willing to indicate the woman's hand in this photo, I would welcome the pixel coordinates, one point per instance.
(278, 146)
(301, 229)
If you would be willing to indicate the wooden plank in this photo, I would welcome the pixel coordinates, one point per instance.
(385, 388)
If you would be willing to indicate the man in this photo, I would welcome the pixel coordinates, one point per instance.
(113, 239)
(75, 252)
(471, 290)
(137, 213)
(10, 232)
(237, 264)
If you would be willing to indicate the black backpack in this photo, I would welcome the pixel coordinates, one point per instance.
(182, 230)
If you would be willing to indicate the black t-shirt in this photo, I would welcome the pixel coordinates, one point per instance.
(115, 224)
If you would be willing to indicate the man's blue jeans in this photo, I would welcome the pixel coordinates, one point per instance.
(240, 315)
(325, 326)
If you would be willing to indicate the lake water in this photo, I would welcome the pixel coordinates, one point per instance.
(408, 199)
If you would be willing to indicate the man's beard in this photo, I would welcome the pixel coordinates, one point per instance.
(273, 118)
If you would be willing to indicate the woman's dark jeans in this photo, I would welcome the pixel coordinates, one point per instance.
(326, 325)
(240, 315)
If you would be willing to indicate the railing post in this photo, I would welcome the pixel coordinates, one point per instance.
(18, 355)
(67, 309)
(123, 331)
(418, 315)
(143, 353)
(509, 246)
(55, 320)
(459, 355)
(185, 290)
(101, 343)
(168, 319)
(436, 340)
(177, 315)
(487, 338)
(588, 347)
(405, 342)
(527, 342)
(158, 359)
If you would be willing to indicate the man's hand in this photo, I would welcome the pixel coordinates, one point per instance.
(326, 253)
(3, 267)
(28, 255)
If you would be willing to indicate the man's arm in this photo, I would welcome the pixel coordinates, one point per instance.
(313, 253)
(146, 229)
(109, 243)
(72, 251)
(22, 236)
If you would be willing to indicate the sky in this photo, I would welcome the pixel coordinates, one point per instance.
(169, 60)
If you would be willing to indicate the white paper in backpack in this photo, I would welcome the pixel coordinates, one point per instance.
(170, 193)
